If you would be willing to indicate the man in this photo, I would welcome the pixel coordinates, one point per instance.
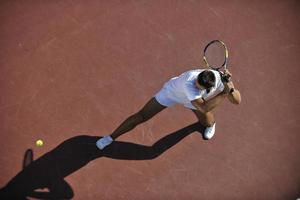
(200, 90)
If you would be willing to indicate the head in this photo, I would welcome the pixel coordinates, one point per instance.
(205, 80)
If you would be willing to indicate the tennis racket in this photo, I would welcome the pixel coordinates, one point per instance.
(216, 57)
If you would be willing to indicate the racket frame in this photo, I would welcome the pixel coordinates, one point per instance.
(224, 65)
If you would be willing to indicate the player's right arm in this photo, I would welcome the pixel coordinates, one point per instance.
(205, 106)
(199, 102)
(199, 105)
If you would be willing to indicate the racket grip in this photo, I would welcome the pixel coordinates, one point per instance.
(225, 78)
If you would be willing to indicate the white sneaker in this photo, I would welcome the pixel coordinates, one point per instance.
(103, 142)
(209, 132)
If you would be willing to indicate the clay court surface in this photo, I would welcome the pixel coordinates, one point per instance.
(72, 71)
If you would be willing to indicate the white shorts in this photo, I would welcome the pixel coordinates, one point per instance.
(164, 97)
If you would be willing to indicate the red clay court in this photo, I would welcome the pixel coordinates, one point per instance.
(73, 70)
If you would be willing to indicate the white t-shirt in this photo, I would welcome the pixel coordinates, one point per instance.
(182, 89)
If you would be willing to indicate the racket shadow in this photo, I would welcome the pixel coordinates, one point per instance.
(49, 170)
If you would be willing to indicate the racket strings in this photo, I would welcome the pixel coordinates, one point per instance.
(215, 54)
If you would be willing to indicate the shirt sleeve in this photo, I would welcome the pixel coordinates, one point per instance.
(214, 91)
(192, 92)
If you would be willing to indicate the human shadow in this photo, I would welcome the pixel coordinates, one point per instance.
(49, 170)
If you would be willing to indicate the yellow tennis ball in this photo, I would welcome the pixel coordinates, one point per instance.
(39, 143)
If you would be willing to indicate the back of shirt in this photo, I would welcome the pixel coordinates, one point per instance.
(182, 89)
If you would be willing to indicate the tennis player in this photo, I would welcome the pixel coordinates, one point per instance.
(200, 90)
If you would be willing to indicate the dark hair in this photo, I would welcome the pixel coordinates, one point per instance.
(206, 79)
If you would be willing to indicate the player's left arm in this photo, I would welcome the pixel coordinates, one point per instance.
(234, 95)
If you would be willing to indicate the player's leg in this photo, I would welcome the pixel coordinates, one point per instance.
(151, 108)
(207, 120)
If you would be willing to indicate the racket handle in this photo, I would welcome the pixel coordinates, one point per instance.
(225, 78)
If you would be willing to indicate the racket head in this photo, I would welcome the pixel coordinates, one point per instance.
(215, 55)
